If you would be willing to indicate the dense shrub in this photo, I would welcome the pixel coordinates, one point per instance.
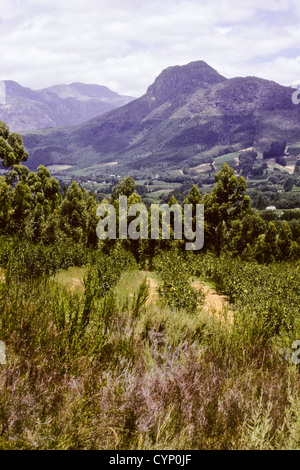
(176, 289)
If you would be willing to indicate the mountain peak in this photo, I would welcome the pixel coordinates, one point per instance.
(78, 89)
(14, 89)
(183, 79)
(58, 105)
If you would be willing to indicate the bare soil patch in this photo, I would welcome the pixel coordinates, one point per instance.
(214, 303)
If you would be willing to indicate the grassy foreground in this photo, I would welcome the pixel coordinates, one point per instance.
(138, 374)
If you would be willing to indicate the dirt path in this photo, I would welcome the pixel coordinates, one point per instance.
(214, 304)
(153, 285)
(77, 285)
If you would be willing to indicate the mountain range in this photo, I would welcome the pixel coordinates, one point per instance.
(59, 105)
(188, 116)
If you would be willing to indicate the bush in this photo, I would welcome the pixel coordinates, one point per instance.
(176, 289)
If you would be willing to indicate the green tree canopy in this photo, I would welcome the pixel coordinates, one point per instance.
(12, 151)
(123, 188)
(226, 203)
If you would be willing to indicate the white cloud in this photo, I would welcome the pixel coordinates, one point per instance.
(125, 44)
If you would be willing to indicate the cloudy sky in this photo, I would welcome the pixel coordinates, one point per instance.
(125, 44)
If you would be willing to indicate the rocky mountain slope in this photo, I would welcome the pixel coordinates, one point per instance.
(189, 115)
(60, 105)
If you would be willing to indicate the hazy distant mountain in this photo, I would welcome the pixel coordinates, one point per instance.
(60, 105)
(187, 116)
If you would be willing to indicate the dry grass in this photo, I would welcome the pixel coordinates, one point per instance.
(71, 278)
(161, 380)
(215, 304)
(153, 286)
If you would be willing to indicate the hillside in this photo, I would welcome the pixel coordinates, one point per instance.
(188, 116)
(60, 105)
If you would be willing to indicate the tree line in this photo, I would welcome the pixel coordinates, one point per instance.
(34, 209)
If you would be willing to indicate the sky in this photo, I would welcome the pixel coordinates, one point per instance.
(125, 44)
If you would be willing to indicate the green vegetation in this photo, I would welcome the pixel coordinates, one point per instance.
(114, 345)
